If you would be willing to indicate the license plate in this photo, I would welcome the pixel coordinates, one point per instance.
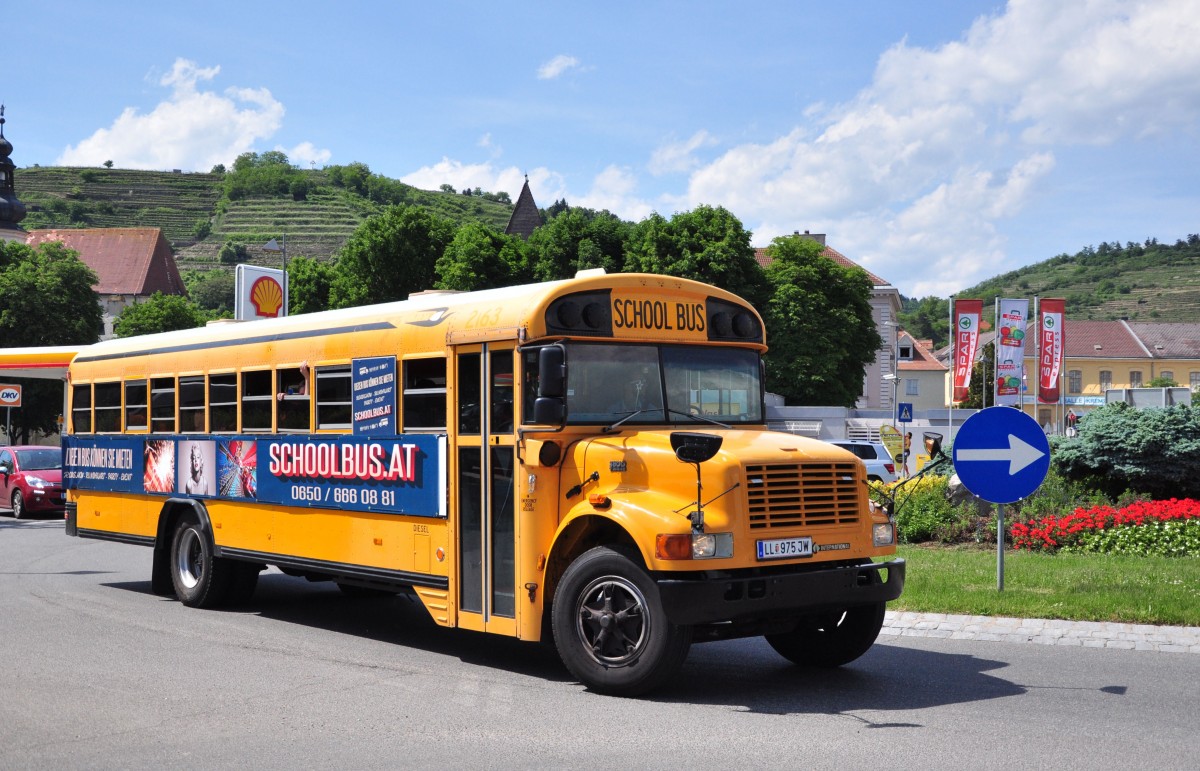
(784, 548)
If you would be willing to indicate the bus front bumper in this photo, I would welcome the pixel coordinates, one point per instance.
(713, 599)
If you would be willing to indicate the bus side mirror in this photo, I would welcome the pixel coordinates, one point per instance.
(552, 372)
(933, 444)
(549, 411)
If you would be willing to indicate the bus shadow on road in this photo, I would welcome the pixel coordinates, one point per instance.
(399, 620)
(744, 674)
(749, 674)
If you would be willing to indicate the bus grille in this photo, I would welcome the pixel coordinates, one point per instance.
(803, 495)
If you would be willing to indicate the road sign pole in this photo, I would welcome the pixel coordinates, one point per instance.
(999, 547)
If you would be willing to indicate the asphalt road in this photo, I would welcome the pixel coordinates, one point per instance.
(96, 672)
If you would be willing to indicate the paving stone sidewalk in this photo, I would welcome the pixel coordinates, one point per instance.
(1088, 634)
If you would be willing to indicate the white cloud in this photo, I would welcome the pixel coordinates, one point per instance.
(614, 189)
(546, 186)
(557, 66)
(306, 154)
(912, 176)
(192, 129)
(674, 157)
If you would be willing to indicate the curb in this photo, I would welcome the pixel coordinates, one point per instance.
(1043, 631)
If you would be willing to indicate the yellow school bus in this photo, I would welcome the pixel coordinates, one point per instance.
(585, 458)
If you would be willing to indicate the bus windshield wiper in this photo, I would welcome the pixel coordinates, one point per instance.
(703, 418)
(613, 427)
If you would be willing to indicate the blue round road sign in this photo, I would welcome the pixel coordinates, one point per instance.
(1001, 454)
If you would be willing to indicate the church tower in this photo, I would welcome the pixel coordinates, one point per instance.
(12, 211)
(525, 217)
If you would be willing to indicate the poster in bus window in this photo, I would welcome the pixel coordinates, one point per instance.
(197, 467)
(237, 468)
(374, 395)
(159, 467)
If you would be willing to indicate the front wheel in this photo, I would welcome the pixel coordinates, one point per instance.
(201, 580)
(610, 628)
(18, 504)
(831, 639)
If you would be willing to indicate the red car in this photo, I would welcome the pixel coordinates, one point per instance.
(31, 480)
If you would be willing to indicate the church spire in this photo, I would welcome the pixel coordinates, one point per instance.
(525, 217)
(12, 211)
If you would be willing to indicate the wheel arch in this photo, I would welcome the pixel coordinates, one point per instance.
(168, 517)
(578, 536)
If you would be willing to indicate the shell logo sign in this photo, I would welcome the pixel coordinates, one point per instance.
(266, 295)
(10, 396)
(261, 293)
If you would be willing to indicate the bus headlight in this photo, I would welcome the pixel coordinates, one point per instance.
(883, 534)
(693, 546)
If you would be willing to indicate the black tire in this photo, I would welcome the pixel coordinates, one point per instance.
(610, 628)
(200, 579)
(18, 504)
(831, 639)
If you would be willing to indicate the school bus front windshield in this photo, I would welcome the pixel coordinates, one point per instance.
(662, 384)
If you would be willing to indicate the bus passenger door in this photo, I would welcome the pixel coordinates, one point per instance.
(486, 496)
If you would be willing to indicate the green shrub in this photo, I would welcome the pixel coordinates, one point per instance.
(1178, 538)
(923, 513)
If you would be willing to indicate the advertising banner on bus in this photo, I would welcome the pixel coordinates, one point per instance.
(396, 475)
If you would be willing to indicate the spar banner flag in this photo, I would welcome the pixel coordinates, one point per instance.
(1050, 348)
(966, 339)
(1010, 351)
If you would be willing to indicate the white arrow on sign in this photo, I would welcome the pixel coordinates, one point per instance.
(1019, 454)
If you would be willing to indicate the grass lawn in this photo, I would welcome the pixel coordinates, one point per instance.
(1081, 587)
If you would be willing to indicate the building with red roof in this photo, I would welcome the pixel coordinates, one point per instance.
(131, 264)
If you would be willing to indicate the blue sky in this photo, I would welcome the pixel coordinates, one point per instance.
(937, 144)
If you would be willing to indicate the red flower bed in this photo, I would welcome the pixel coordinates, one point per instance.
(1050, 533)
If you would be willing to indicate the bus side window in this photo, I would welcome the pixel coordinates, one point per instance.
(294, 399)
(222, 403)
(425, 395)
(81, 408)
(334, 398)
(108, 407)
(257, 396)
(162, 405)
(136, 405)
(191, 404)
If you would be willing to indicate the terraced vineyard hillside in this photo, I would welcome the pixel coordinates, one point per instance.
(316, 228)
(69, 197)
(197, 219)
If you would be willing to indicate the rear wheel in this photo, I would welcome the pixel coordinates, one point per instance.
(18, 504)
(831, 639)
(610, 628)
(200, 579)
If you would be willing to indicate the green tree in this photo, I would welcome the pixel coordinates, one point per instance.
(232, 252)
(46, 298)
(819, 325)
(1162, 382)
(980, 390)
(707, 244)
(480, 258)
(211, 290)
(160, 313)
(927, 319)
(577, 239)
(309, 282)
(390, 256)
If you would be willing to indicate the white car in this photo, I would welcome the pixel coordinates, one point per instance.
(881, 467)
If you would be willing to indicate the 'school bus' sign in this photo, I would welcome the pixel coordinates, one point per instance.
(394, 475)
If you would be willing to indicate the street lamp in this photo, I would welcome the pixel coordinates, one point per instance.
(895, 373)
(275, 246)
